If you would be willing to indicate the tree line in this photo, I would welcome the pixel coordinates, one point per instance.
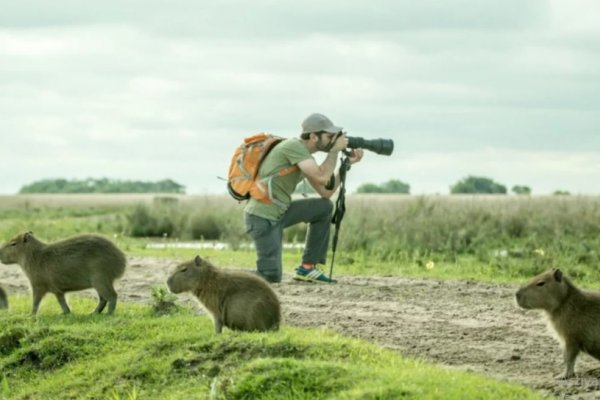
(467, 185)
(102, 185)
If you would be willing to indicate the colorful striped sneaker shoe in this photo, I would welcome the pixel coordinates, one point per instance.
(312, 275)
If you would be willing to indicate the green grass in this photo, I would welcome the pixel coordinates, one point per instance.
(385, 228)
(501, 270)
(488, 238)
(138, 355)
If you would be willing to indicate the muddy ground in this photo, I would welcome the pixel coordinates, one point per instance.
(465, 325)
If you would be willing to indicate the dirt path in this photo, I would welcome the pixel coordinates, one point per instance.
(465, 325)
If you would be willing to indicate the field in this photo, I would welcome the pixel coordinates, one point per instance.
(432, 278)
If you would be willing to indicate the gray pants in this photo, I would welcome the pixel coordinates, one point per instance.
(268, 235)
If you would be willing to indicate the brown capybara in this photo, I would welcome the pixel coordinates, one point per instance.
(235, 299)
(77, 263)
(3, 299)
(573, 313)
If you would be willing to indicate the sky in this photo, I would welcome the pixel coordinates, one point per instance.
(151, 90)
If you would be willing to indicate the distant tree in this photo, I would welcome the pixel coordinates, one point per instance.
(169, 186)
(561, 193)
(477, 185)
(395, 186)
(368, 188)
(391, 186)
(102, 185)
(519, 189)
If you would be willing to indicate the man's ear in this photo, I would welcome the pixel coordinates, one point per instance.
(314, 136)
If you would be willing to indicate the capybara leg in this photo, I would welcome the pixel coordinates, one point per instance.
(38, 295)
(570, 354)
(101, 304)
(3, 300)
(63, 302)
(107, 293)
(218, 325)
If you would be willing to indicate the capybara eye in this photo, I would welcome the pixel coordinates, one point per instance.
(13, 244)
(183, 269)
(542, 283)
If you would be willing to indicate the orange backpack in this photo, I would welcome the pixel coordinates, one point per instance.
(243, 181)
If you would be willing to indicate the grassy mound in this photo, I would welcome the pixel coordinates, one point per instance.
(139, 354)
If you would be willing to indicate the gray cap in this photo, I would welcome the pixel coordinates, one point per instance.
(317, 123)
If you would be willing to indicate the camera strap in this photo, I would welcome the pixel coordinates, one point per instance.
(335, 138)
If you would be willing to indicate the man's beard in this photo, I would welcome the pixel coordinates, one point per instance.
(322, 146)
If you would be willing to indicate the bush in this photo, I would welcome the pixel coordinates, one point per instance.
(559, 229)
(204, 227)
(146, 222)
(545, 231)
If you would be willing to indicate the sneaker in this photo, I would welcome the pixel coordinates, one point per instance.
(312, 275)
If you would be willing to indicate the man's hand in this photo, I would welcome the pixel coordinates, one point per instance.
(355, 155)
(340, 143)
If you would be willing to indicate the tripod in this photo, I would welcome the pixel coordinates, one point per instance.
(340, 208)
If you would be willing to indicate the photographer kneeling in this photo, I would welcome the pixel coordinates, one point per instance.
(265, 222)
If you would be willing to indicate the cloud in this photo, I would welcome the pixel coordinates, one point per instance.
(232, 18)
(151, 90)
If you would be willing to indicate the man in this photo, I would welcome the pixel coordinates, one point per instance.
(265, 222)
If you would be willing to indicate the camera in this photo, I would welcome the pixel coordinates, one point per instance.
(380, 146)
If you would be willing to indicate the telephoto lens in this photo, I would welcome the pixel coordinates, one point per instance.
(380, 146)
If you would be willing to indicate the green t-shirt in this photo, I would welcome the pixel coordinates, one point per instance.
(287, 153)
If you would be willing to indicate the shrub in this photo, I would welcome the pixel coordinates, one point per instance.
(144, 222)
(204, 226)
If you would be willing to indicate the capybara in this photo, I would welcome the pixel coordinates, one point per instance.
(77, 263)
(235, 299)
(573, 313)
(3, 299)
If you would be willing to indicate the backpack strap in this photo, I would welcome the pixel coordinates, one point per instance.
(262, 190)
(288, 170)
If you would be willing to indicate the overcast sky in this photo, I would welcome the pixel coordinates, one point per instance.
(148, 90)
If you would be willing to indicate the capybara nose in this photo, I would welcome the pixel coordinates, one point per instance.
(518, 295)
(519, 298)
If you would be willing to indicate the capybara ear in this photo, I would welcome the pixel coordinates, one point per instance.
(198, 261)
(558, 275)
(27, 236)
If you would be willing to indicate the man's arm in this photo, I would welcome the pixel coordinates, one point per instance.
(319, 175)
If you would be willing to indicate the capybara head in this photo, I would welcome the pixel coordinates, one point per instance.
(189, 275)
(546, 291)
(15, 247)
